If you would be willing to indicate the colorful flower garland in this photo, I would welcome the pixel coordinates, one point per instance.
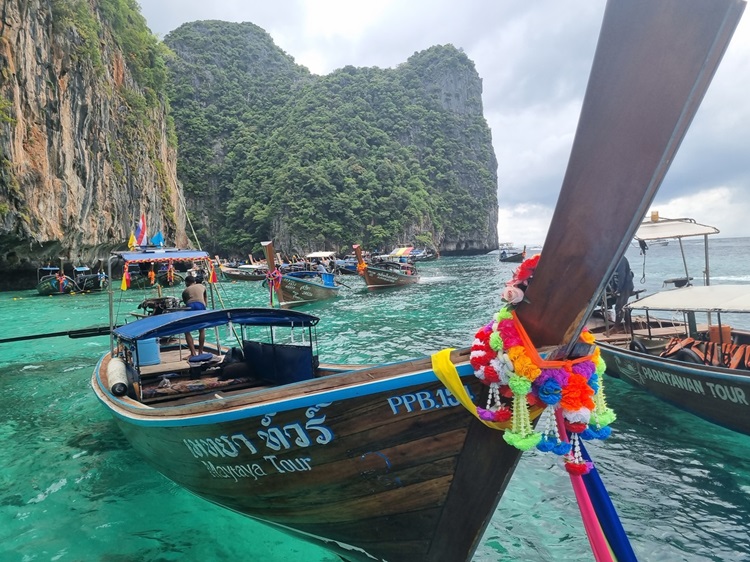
(504, 359)
(274, 279)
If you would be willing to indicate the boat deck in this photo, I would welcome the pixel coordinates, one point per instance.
(177, 378)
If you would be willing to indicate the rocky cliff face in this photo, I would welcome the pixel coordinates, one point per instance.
(368, 155)
(81, 154)
(452, 81)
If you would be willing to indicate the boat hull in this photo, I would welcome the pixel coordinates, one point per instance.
(377, 278)
(296, 291)
(361, 463)
(240, 275)
(92, 282)
(53, 285)
(719, 395)
(514, 258)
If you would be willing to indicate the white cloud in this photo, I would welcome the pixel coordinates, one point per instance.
(725, 208)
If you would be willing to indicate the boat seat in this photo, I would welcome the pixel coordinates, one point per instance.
(279, 363)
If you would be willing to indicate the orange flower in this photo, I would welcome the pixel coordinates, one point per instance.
(515, 352)
(525, 368)
(577, 394)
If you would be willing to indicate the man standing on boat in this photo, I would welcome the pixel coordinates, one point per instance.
(195, 298)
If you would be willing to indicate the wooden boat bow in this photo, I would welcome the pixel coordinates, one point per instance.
(653, 64)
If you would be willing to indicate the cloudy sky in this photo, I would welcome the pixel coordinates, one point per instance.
(534, 59)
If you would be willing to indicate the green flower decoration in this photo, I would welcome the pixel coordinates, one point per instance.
(522, 442)
(520, 386)
(496, 342)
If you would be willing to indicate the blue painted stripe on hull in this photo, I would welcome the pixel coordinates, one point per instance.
(255, 410)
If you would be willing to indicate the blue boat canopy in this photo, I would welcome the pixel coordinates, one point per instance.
(162, 254)
(179, 322)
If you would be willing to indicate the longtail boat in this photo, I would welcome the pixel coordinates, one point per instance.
(297, 287)
(88, 280)
(52, 280)
(386, 273)
(244, 272)
(517, 257)
(681, 344)
(152, 267)
(383, 462)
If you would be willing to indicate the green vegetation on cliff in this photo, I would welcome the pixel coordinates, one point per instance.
(378, 156)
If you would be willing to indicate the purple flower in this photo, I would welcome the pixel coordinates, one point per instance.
(585, 369)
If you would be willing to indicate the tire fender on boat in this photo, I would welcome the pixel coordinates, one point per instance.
(687, 356)
(638, 346)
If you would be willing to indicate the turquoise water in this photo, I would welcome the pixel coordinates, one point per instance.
(71, 489)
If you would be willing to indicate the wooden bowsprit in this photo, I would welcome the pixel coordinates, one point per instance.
(653, 64)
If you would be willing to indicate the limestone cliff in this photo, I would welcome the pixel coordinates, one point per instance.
(84, 145)
(367, 155)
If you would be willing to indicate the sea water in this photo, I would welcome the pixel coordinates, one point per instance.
(72, 489)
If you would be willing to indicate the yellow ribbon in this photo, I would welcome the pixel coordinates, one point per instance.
(446, 371)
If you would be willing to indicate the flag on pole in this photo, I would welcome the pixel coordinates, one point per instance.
(131, 241)
(140, 231)
(158, 239)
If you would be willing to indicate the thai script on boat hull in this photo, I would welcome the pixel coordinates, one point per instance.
(277, 438)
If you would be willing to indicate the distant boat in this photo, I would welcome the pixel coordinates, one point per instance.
(518, 257)
(52, 280)
(298, 287)
(383, 274)
(412, 254)
(153, 267)
(87, 280)
(346, 266)
(659, 242)
(509, 247)
(245, 272)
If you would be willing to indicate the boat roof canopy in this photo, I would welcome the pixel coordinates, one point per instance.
(711, 298)
(321, 255)
(405, 251)
(173, 323)
(672, 228)
(161, 254)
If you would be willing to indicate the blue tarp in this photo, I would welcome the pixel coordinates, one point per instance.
(190, 320)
